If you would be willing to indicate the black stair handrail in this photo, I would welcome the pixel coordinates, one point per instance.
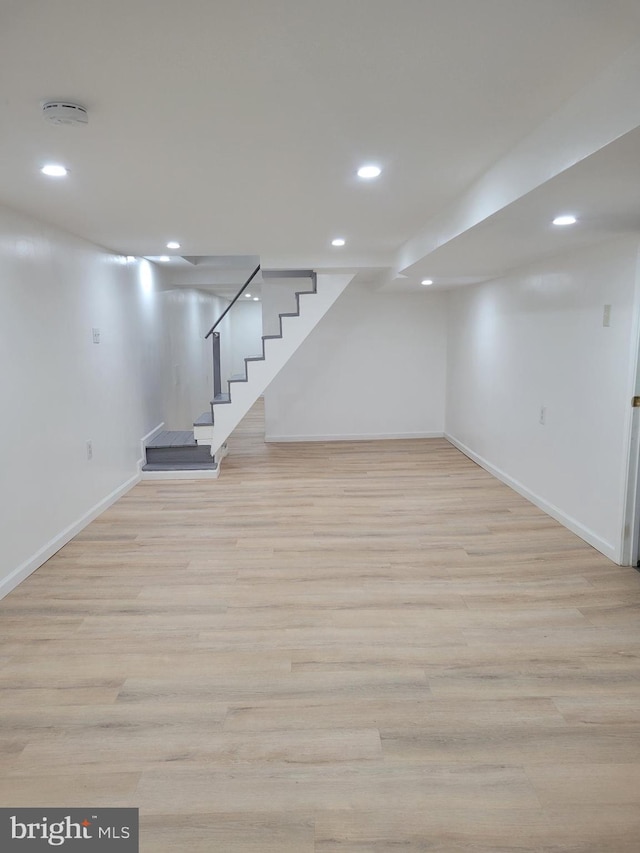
(233, 301)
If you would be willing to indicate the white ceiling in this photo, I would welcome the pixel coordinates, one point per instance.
(236, 126)
(223, 275)
(602, 191)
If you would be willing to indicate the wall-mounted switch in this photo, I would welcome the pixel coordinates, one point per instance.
(96, 336)
(89, 450)
(606, 315)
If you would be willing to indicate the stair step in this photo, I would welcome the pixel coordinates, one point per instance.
(181, 466)
(221, 398)
(288, 274)
(176, 448)
(178, 453)
(238, 377)
(203, 420)
(173, 438)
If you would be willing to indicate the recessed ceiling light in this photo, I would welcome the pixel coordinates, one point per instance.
(369, 171)
(53, 170)
(164, 258)
(565, 219)
(256, 299)
(426, 281)
(173, 245)
(338, 242)
(247, 296)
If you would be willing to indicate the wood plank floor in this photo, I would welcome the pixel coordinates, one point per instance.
(334, 648)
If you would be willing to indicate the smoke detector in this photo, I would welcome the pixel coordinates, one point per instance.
(64, 112)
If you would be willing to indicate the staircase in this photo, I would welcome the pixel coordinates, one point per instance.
(186, 454)
(227, 410)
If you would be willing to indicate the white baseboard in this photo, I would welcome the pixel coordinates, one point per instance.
(273, 439)
(572, 524)
(206, 474)
(29, 566)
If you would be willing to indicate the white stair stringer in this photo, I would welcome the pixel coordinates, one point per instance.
(313, 307)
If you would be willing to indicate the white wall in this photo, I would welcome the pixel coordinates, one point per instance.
(186, 357)
(187, 314)
(246, 334)
(373, 368)
(59, 389)
(536, 339)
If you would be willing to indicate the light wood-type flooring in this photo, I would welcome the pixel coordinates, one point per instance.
(372, 647)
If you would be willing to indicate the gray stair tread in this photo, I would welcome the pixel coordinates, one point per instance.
(271, 337)
(173, 438)
(203, 420)
(254, 358)
(180, 466)
(221, 398)
(287, 273)
(238, 377)
(178, 454)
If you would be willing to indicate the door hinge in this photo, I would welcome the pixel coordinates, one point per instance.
(635, 402)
